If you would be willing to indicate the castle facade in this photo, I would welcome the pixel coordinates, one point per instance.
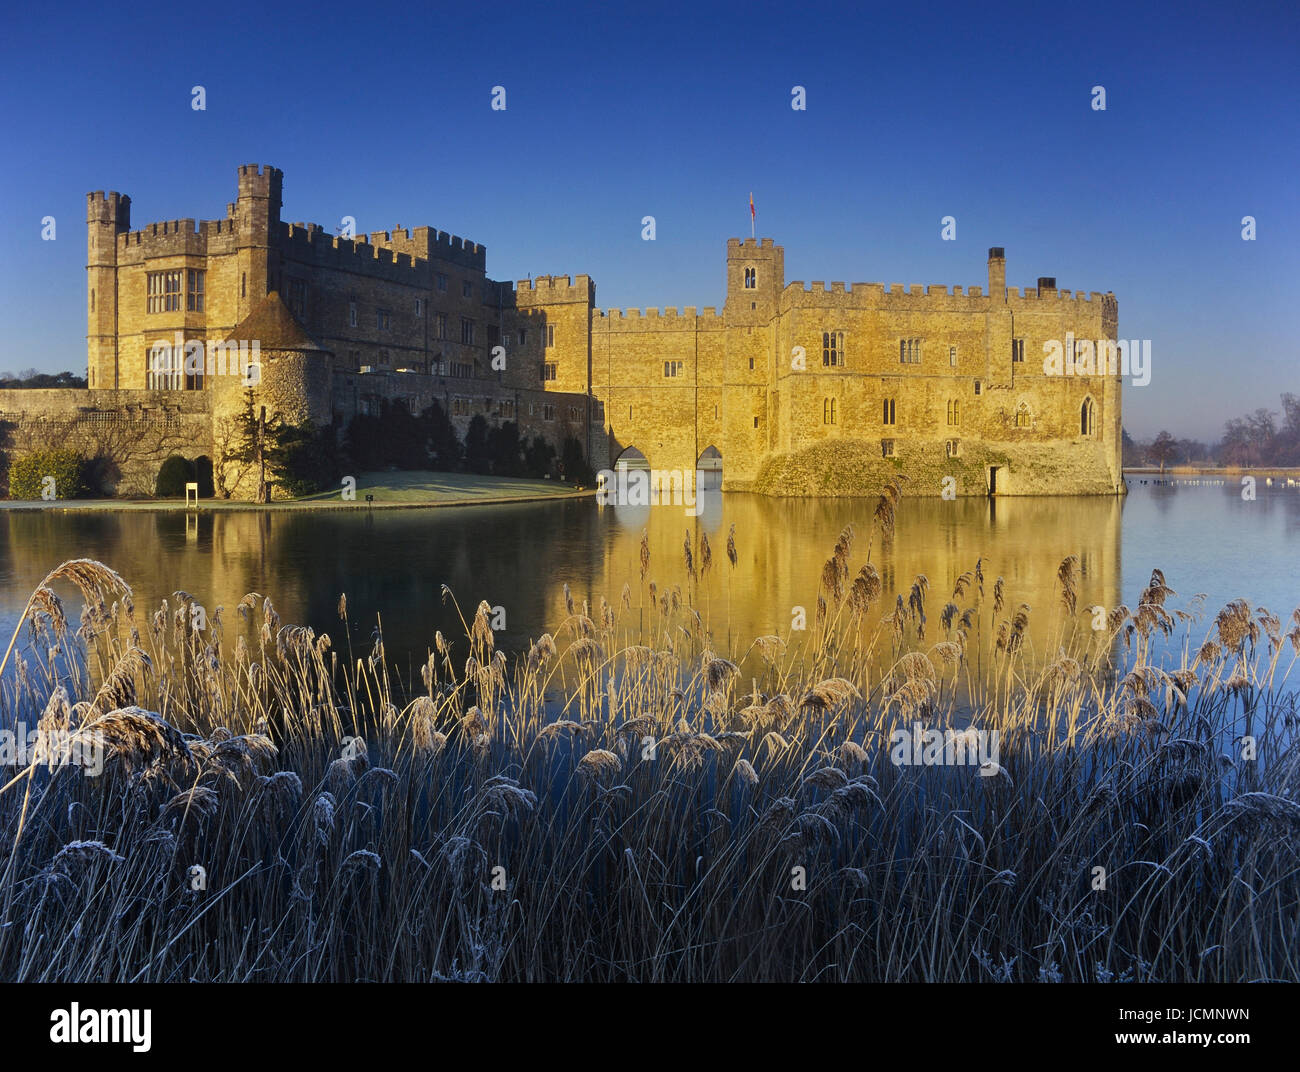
(789, 388)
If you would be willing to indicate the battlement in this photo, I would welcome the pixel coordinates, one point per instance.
(111, 208)
(212, 228)
(428, 243)
(545, 289)
(653, 319)
(1051, 293)
(735, 245)
(866, 295)
(260, 180)
(170, 238)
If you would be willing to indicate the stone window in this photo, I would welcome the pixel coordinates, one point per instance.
(953, 448)
(460, 407)
(755, 422)
(164, 291)
(243, 284)
(886, 448)
(977, 387)
(952, 356)
(92, 299)
(909, 351)
(419, 307)
(830, 411)
(751, 278)
(1024, 419)
(383, 319)
(1017, 351)
(672, 369)
(548, 412)
(194, 286)
(1087, 418)
(462, 369)
(954, 412)
(352, 314)
(441, 282)
(548, 335)
(887, 412)
(466, 331)
(523, 336)
(751, 362)
(832, 348)
(549, 371)
(466, 289)
(297, 297)
(440, 325)
(575, 413)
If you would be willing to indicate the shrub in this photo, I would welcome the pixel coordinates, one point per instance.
(539, 457)
(506, 450)
(478, 457)
(573, 463)
(306, 459)
(27, 474)
(174, 473)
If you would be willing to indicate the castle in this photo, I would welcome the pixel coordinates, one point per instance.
(788, 389)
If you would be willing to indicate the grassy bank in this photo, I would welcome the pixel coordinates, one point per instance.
(391, 490)
(619, 804)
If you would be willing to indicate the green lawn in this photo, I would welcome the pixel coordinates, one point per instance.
(408, 488)
(423, 486)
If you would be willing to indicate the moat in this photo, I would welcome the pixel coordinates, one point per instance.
(394, 564)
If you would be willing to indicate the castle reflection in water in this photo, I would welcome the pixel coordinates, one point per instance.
(394, 563)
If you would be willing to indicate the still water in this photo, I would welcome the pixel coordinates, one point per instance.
(393, 564)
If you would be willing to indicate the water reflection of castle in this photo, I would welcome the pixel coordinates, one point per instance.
(394, 563)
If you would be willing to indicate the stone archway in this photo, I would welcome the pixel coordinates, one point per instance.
(708, 468)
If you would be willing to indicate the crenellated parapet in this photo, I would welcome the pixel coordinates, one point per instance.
(431, 244)
(654, 319)
(554, 290)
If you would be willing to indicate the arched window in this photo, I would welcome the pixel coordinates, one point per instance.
(1024, 419)
(954, 411)
(1087, 418)
(751, 278)
(828, 411)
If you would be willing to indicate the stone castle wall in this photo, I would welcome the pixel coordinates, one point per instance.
(413, 315)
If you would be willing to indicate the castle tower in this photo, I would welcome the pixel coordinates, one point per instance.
(257, 222)
(755, 279)
(107, 216)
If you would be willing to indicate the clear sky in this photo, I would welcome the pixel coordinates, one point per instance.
(614, 112)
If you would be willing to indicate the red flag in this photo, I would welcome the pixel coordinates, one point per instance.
(751, 205)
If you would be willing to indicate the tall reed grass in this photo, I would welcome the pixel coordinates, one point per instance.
(626, 802)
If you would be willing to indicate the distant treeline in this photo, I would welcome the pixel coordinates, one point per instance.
(1264, 437)
(31, 378)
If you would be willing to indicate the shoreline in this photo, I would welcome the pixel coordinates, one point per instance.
(90, 506)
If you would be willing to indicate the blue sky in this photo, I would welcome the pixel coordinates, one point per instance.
(914, 112)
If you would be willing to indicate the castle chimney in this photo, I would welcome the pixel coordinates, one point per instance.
(1046, 285)
(998, 273)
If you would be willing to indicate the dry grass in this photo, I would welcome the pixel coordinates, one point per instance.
(624, 803)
